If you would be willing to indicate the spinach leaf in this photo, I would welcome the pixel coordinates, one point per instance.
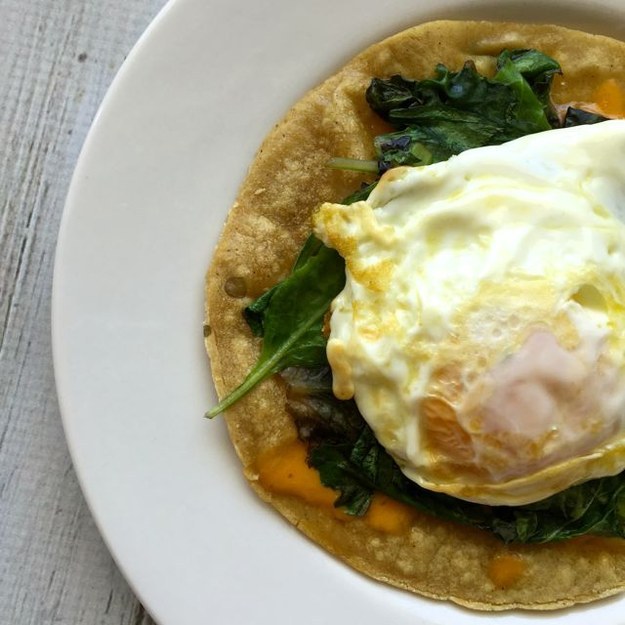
(311, 248)
(338, 471)
(594, 507)
(538, 69)
(528, 109)
(455, 111)
(290, 318)
(255, 313)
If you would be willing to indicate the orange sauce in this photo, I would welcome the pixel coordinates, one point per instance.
(610, 98)
(284, 471)
(506, 569)
(389, 516)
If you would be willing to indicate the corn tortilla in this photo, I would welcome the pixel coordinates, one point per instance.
(264, 231)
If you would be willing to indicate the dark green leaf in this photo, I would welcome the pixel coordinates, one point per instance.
(396, 92)
(360, 195)
(528, 108)
(538, 69)
(349, 459)
(336, 471)
(532, 64)
(311, 248)
(457, 111)
(255, 312)
(579, 117)
(292, 320)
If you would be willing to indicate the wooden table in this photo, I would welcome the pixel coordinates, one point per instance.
(57, 59)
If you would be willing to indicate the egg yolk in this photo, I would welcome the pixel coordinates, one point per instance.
(538, 406)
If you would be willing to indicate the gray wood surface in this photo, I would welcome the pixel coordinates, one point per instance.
(57, 58)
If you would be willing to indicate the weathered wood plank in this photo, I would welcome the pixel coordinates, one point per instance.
(57, 59)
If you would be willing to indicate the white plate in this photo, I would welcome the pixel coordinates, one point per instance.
(155, 178)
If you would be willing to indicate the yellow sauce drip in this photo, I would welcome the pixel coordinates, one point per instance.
(506, 569)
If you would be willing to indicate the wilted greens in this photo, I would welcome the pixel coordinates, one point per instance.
(349, 459)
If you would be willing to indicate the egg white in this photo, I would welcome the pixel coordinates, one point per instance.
(481, 328)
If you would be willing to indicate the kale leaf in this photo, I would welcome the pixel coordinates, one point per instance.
(455, 111)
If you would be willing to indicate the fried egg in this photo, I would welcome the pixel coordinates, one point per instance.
(481, 329)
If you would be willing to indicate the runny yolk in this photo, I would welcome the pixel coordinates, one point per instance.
(610, 98)
(506, 569)
(284, 471)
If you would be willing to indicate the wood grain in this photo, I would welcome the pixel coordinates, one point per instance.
(57, 59)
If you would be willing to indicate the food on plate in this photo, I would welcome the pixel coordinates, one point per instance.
(481, 327)
(431, 385)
